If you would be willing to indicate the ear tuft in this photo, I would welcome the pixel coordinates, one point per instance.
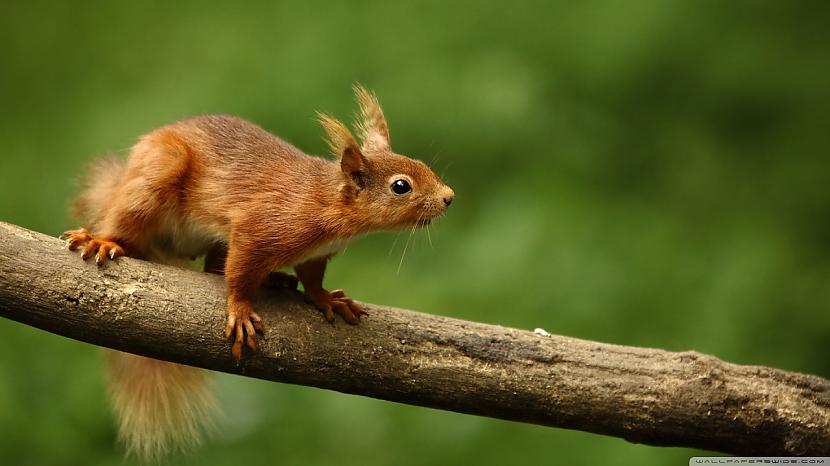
(338, 136)
(344, 147)
(372, 128)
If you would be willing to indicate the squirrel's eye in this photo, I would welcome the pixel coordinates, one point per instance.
(401, 186)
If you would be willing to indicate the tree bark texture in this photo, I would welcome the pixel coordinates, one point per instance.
(643, 395)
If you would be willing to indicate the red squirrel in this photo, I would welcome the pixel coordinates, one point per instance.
(251, 203)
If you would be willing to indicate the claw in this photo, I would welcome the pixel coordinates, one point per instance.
(328, 314)
(230, 325)
(337, 302)
(90, 248)
(101, 248)
(344, 311)
(242, 326)
(236, 350)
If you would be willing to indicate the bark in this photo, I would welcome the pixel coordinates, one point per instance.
(643, 395)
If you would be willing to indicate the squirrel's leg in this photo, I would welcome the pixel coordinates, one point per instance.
(244, 271)
(122, 230)
(149, 189)
(215, 263)
(311, 274)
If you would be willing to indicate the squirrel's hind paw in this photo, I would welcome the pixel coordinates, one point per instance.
(336, 302)
(102, 249)
(75, 238)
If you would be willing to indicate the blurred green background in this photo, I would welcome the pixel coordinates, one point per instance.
(650, 173)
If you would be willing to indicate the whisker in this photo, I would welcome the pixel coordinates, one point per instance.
(435, 158)
(444, 170)
(406, 245)
(403, 254)
(429, 236)
(394, 242)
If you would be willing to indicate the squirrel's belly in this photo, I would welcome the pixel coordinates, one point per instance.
(326, 249)
(185, 239)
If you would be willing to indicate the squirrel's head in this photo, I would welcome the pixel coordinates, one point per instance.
(394, 190)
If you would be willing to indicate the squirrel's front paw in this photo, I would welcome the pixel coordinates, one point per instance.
(102, 249)
(337, 302)
(243, 324)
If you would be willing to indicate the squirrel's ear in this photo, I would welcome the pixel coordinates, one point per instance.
(353, 164)
(372, 128)
(343, 146)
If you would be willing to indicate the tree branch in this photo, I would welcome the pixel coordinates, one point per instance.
(643, 395)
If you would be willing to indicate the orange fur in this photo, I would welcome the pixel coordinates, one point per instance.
(101, 178)
(222, 186)
(338, 136)
(160, 405)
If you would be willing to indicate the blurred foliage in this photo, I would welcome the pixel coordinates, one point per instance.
(649, 173)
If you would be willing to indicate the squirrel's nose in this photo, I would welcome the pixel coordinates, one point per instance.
(449, 195)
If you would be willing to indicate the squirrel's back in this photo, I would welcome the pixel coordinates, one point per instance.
(183, 184)
(232, 139)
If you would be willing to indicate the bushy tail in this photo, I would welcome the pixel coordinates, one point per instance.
(159, 406)
(98, 184)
